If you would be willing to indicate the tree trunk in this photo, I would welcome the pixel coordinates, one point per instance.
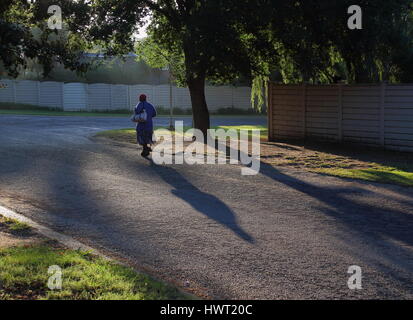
(199, 106)
(195, 78)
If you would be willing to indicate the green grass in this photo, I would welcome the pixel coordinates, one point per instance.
(129, 135)
(90, 114)
(347, 162)
(14, 225)
(122, 135)
(382, 175)
(24, 275)
(62, 113)
(7, 108)
(24, 106)
(396, 170)
(263, 133)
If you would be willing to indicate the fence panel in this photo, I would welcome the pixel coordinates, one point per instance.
(321, 112)
(161, 96)
(99, 97)
(136, 90)
(182, 99)
(218, 97)
(362, 126)
(286, 112)
(80, 96)
(7, 91)
(27, 92)
(398, 117)
(119, 93)
(376, 115)
(75, 97)
(51, 94)
(241, 97)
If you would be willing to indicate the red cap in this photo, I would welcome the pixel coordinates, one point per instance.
(142, 97)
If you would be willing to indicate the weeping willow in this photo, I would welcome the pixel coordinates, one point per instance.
(259, 93)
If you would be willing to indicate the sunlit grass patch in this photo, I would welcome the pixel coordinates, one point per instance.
(263, 129)
(121, 135)
(14, 225)
(383, 175)
(129, 135)
(24, 275)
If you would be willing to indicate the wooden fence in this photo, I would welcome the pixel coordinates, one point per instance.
(375, 115)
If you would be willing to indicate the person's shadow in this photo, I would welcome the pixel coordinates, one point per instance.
(205, 203)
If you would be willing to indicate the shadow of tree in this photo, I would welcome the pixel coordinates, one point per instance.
(204, 203)
(375, 226)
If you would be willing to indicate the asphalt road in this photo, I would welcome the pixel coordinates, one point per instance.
(277, 235)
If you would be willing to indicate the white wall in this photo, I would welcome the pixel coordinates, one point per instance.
(75, 97)
(80, 96)
(7, 91)
(51, 94)
(27, 92)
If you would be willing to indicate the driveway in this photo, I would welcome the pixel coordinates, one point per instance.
(277, 235)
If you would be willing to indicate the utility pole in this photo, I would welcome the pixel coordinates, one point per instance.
(171, 100)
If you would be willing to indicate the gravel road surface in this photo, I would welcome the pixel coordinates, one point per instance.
(277, 235)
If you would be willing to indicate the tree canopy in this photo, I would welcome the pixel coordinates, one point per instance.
(24, 35)
(222, 40)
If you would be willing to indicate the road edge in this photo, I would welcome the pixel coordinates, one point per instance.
(74, 244)
(67, 241)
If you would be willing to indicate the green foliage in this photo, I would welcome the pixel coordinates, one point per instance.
(157, 55)
(14, 225)
(23, 274)
(317, 46)
(259, 93)
(24, 35)
(221, 41)
(390, 176)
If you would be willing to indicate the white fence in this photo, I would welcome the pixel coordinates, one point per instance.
(81, 96)
(377, 115)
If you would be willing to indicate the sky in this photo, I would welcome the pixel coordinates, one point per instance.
(142, 31)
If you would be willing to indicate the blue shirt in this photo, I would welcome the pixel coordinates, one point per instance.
(150, 113)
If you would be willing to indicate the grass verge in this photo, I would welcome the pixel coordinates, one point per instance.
(24, 275)
(85, 276)
(384, 175)
(343, 161)
(129, 135)
(7, 108)
(331, 159)
(14, 225)
(62, 113)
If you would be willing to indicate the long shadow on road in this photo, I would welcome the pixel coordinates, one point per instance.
(204, 203)
(379, 229)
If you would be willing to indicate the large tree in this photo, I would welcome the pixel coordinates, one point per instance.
(25, 35)
(317, 45)
(303, 40)
(217, 40)
(220, 40)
